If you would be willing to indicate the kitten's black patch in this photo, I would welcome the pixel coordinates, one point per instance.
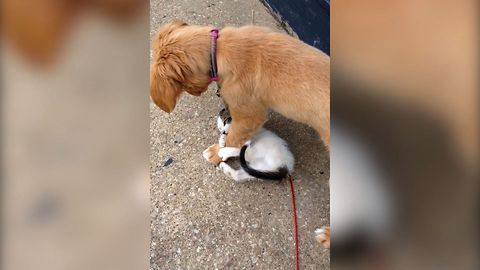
(227, 121)
(280, 174)
(234, 163)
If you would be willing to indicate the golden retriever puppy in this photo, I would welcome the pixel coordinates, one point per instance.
(258, 69)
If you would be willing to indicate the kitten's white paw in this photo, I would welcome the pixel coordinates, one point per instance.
(240, 180)
(228, 152)
(222, 154)
(225, 168)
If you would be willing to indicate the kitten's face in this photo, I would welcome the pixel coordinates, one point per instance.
(223, 121)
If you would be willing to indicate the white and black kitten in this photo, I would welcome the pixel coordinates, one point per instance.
(265, 156)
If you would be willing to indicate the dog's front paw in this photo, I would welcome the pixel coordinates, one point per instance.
(322, 235)
(211, 154)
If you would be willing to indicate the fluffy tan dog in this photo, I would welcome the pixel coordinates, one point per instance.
(258, 69)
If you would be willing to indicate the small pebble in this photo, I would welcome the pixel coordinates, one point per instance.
(167, 162)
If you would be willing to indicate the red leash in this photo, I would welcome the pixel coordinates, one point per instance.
(294, 222)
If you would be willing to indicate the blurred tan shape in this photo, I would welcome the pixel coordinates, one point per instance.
(75, 152)
(411, 68)
(422, 54)
(37, 28)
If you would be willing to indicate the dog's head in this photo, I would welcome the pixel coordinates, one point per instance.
(179, 63)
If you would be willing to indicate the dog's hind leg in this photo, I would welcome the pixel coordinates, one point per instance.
(325, 135)
(323, 129)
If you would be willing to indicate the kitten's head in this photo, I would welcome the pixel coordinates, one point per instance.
(223, 121)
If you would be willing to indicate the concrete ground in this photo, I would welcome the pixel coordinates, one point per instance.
(200, 218)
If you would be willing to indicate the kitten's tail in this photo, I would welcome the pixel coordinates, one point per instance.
(279, 174)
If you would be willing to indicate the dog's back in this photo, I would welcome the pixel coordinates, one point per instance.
(283, 72)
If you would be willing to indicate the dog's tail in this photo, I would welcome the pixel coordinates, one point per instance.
(279, 174)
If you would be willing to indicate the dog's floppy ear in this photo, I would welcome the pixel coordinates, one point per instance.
(163, 91)
(168, 71)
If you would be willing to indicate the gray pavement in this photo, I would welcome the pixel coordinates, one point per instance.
(200, 218)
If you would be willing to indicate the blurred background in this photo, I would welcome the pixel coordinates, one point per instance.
(404, 173)
(404, 158)
(75, 128)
